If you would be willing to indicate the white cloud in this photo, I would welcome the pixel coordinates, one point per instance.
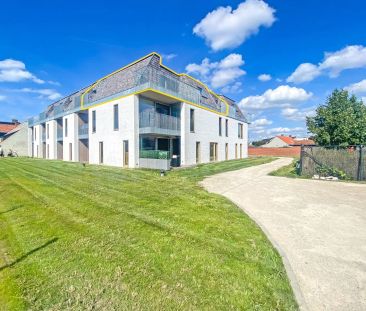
(283, 130)
(232, 89)
(14, 71)
(219, 74)
(282, 96)
(350, 57)
(303, 73)
(2, 97)
(261, 122)
(264, 77)
(259, 126)
(227, 28)
(353, 56)
(295, 114)
(44, 93)
(357, 88)
(169, 56)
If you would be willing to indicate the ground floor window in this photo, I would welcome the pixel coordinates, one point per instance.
(241, 151)
(198, 152)
(125, 153)
(226, 151)
(213, 152)
(236, 151)
(48, 150)
(100, 152)
(70, 151)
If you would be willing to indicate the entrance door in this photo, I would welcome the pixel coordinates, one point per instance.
(125, 153)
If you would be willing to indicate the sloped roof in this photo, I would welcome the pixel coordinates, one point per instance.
(304, 142)
(7, 127)
(287, 139)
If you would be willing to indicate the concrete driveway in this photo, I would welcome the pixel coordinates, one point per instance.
(318, 227)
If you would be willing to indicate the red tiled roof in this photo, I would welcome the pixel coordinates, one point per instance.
(4, 128)
(287, 139)
(304, 142)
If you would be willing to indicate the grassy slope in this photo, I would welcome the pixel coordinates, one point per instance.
(287, 170)
(108, 238)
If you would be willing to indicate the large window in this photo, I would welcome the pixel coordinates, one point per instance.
(240, 130)
(236, 151)
(213, 152)
(147, 143)
(66, 128)
(191, 120)
(226, 127)
(115, 117)
(220, 126)
(94, 121)
(48, 131)
(35, 133)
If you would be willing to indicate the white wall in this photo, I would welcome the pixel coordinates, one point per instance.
(37, 145)
(51, 139)
(72, 137)
(206, 131)
(275, 142)
(113, 139)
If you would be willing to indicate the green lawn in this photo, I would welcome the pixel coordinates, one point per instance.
(83, 238)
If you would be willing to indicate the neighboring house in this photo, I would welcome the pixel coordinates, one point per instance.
(287, 141)
(6, 127)
(142, 115)
(16, 140)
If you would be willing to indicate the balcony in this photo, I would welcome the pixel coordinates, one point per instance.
(157, 123)
(83, 131)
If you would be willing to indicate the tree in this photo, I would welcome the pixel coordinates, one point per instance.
(340, 121)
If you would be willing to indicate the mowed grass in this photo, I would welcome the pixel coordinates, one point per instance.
(83, 238)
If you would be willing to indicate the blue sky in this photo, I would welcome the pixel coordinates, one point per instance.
(51, 48)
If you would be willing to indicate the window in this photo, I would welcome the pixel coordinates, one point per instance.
(191, 120)
(213, 152)
(94, 121)
(236, 151)
(35, 133)
(220, 127)
(240, 130)
(226, 127)
(198, 152)
(48, 150)
(66, 128)
(70, 151)
(115, 117)
(48, 131)
(162, 109)
(241, 151)
(100, 152)
(226, 151)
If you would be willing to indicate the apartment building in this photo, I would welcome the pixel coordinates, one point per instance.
(142, 115)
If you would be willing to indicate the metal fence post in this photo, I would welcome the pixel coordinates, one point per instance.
(360, 170)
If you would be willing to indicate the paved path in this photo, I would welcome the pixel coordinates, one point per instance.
(319, 228)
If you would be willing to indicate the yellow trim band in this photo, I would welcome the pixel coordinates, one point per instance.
(226, 113)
